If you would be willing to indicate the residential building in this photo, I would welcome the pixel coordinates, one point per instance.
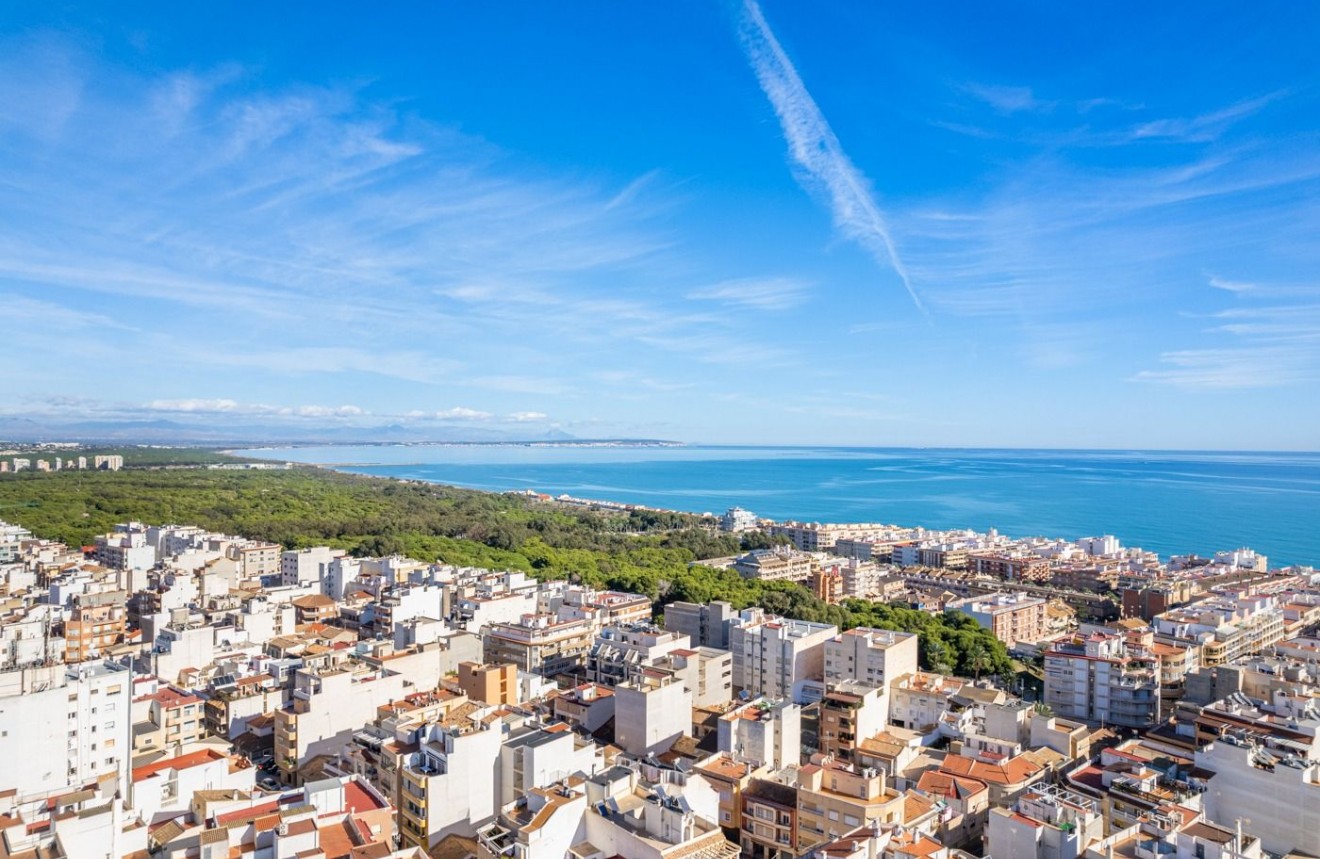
(779, 657)
(315, 608)
(70, 725)
(705, 624)
(707, 672)
(763, 732)
(835, 798)
(849, 713)
(586, 706)
(620, 651)
(775, 565)
(99, 622)
(1271, 781)
(1047, 822)
(126, 548)
(1096, 678)
(815, 537)
(1012, 617)
(651, 712)
(874, 656)
(540, 644)
(304, 566)
(920, 699)
(1007, 779)
(1022, 567)
(445, 772)
(493, 684)
(967, 804)
(769, 820)
(326, 707)
(536, 756)
(1224, 628)
(173, 718)
(730, 777)
(736, 520)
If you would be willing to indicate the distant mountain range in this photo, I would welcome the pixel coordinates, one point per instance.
(163, 431)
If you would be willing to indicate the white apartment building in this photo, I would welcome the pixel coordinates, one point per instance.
(874, 656)
(125, 549)
(1046, 823)
(736, 519)
(1224, 628)
(307, 566)
(327, 706)
(767, 731)
(620, 651)
(779, 657)
(1097, 679)
(538, 756)
(706, 671)
(815, 537)
(70, 725)
(448, 785)
(1273, 786)
(651, 712)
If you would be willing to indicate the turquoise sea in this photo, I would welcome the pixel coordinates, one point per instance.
(1168, 502)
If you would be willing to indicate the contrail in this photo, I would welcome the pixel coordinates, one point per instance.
(815, 148)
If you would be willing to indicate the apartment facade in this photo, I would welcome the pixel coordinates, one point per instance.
(1098, 679)
(1012, 617)
(874, 656)
(779, 657)
(540, 644)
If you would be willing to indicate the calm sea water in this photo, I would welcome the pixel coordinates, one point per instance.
(1171, 503)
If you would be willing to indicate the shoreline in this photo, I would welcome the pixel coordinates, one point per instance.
(625, 506)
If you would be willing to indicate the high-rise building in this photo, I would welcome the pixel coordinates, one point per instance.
(1096, 678)
(779, 657)
(874, 656)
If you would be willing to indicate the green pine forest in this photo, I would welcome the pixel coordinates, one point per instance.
(646, 552)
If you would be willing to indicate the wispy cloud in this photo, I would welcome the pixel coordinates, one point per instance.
(234, 407)
(1056, 236)
(817, 150)
(1206, 126)
(457, 413)
(1261, 366)
(1262, 344)
(1007, 99)
(1235, 286)
(203, 409)
(268, 233)
(774, 293)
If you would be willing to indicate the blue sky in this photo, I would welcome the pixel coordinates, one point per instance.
(952, 224)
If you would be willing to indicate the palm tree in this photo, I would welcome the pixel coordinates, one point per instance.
(978, 658)
(937, 656)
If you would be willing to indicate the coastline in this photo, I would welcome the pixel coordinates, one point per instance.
(1172, 505)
